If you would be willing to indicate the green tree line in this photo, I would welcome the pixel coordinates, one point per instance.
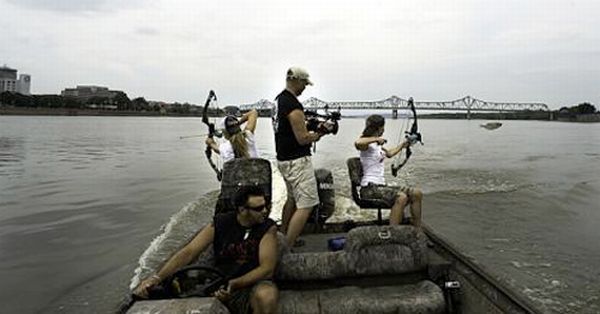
(583, 108)
(120, 100)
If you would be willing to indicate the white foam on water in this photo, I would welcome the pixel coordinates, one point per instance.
(176, 232)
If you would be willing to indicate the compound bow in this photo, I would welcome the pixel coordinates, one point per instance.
(211, 133)
(413, 136)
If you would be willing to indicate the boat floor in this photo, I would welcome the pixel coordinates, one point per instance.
(316, 242)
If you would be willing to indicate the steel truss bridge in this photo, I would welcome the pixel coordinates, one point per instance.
(395, 103)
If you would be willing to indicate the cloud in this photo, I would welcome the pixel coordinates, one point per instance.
(77, 6)
(147, 31)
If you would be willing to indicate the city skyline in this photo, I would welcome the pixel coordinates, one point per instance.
(539, 51)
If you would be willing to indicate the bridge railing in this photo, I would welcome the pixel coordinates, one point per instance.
(467, 103)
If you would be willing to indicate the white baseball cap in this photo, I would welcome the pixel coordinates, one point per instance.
(298, 73)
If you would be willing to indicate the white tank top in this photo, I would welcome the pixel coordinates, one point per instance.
(372, 165)
(226, 149)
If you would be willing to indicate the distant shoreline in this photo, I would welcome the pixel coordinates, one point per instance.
(542, 116)
(11, 111)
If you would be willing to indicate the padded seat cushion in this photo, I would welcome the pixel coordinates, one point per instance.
(369, 250)
(423, 297)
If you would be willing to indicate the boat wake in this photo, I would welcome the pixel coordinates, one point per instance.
(181, 227)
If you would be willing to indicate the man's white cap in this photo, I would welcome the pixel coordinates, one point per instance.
(298, 73)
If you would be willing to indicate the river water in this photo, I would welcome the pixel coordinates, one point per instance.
(81, 198)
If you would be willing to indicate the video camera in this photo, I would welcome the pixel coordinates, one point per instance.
(323, 123)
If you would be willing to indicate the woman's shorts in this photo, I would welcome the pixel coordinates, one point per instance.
(384, 192)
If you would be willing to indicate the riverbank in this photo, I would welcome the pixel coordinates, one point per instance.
(25, 111)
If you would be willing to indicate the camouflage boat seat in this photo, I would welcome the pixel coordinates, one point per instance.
(396, 250)
(423, 297)
(350, 280)
(355, 172)
(244, 172)
(370, 254)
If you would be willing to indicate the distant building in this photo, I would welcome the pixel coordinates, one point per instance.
(24, 84)
(8, 79)
(9, 82)
(83, 93)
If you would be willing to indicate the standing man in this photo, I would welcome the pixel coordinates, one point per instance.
(292, 143)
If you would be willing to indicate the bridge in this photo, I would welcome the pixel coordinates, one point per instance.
(395, 103)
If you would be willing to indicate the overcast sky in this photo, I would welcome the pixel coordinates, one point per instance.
(522, 51)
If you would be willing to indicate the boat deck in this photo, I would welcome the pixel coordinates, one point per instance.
(374, 278)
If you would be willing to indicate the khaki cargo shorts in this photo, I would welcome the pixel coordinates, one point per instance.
(299, 177)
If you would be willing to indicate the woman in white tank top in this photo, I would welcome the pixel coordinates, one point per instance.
(238, 143)
(372, 156)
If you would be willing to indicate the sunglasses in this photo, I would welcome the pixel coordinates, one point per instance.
(257, 208)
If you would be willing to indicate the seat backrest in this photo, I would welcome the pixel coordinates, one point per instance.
(355, 173)
(354, 170)
(245, 172)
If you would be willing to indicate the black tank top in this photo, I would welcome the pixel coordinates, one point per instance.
(235, 246)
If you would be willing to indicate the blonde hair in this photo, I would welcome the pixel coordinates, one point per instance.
(238, 143)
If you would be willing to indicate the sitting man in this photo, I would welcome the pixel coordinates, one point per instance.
(245, 249)
(372, 155)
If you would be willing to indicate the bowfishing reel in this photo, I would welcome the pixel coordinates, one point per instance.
(322, 123)
(414, 138)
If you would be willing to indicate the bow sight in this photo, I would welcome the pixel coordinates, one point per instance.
(323, 123)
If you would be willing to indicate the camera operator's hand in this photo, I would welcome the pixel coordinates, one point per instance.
(328, 127)
(316, 136)
(323, 128)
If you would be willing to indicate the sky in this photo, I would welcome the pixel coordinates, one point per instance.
(503, 51)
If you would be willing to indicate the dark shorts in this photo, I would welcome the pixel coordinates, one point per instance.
(384, 192)
(239, 303)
